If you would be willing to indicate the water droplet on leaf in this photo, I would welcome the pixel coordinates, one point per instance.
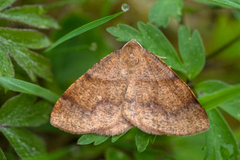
(125, 7)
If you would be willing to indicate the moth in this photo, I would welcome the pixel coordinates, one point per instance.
(129, 87)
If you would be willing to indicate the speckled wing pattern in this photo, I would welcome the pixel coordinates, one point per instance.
(92, 104)
(130, 87)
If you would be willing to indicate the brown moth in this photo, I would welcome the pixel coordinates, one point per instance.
(130, 87)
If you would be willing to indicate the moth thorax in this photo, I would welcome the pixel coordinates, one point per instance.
(132, 59)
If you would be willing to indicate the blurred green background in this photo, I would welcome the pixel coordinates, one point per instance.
(218, 26)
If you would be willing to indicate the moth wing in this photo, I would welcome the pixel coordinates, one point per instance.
(163, 103)
(92, 104)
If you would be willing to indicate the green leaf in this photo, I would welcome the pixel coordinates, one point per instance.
(29, 88)
(6, 67)
(192, 51)
(142, 140)
(31, 62)
(126, 33)
(83, 29)
(216, 98)
(24, 142)
(210, 86)
(226, 3)
(55, 155)
(163, 9)
(21, 111)
(31, 15)
(219, 140)
(90, 138)
(5, 3)
(100, 139)
(152, 39)
(115, 154)
(14, 42)
(232, 106)
(2, 156)
(86, 139)
(152, 138)
(116, 137)
(25, 37)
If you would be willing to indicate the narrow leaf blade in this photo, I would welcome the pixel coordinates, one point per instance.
(218, 97)
(226, 3)
(210, 86)
(29, 88)
(83, 29)
(232, 106)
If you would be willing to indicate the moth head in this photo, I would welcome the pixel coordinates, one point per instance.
(132, 53)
